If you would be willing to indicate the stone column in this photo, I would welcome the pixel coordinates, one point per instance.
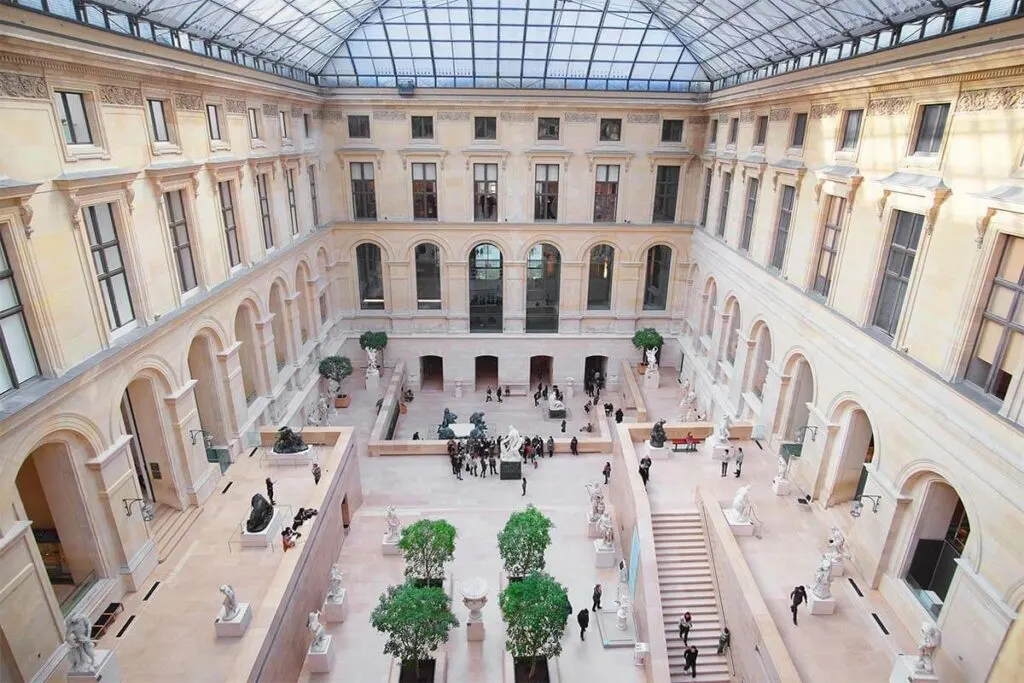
(265, 354)
(401, 294)
(680, 295)
(455, 292)
(294, 326)
(514, 304)
(344, 272)
(874, 533)
(234, 390)
(199, 475)
(741, 371)
(627, 297)
(572, 290)
(315, 288)
(719, 337)
(776, 385)
(810, 469)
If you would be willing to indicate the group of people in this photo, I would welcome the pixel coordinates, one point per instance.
(476, 456)
(290, 534)
(490, 398)
(736, 457)
(691, 651)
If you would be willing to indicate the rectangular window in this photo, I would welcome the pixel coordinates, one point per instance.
(364, 196)
(799, 130)
(723, 208)
(110, 271)
(666, 190)
(899, 264)
(672, 130)
(73, 118)
(762, 130)
(606, 193)
(749, 211)
(180, 243)
(213, 121)
(705, 202)
(314, 202)
(423, 128)
(158, 120)
(358, 126)
(734, 128)
(611, 130)
(829, 246)
(307, 126)
(545, 193)
(714, 131)
(782, 226)
(999, 347)
(265, 217)
(485, 128)
(293, 212)
(424, 191)
(254, 123)
(227, 212)
(851, 129)
(18, 354)
(282, 123)
(547, 128)
(930, 129)
(485, 192)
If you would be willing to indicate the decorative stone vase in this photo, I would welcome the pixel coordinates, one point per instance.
(474, 597)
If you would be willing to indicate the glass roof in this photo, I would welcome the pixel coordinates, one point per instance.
(645, 45)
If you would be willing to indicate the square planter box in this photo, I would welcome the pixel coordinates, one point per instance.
(440, 669)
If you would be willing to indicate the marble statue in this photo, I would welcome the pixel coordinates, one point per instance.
(371, 362)
(607, 530)
(512, 445)
(623, 572)
(319, 643)
(596, 501)
(230, 602)
(652, 360)
(334, 589)
(931, 639)
(81, 650)
(837, 545)
(688, 406)
(685, 391)
(622, 614)
(261, 515)
(722, 431)
(394, 526)
(658, 437)
(741, 504)
(554, 404)
(780, 472)
(822, 588)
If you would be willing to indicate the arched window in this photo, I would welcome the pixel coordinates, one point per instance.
(485, 289)
(599, 287)
(733, 338)
(428, 277)
(659, 262)
(543, 279)
(371, 279)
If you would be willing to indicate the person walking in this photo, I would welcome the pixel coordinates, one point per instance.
(597, 597)
(458, 468)
(798, 595)
(725, 462)
(574, 446)
(563, 426)
(607, 472)
(492, 464)
(644, 474)
(317, 473)
(583, 619)
(739, 462)
(724, 640)
(536, 399)
(524, 486)
(489, 397)
(619, 415)
(551, 446)
(685, 624)
(690, 660)
(499, 394)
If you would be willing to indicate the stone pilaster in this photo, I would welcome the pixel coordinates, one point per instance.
(514, 305)
(234, 389)
(200, 475)
(776, 385)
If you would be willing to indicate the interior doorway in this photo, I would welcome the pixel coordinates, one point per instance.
(486, 372)
(596, 368)
(940, 538)
(140, 415)
(540, 370)
(431, 373)
(857, 447)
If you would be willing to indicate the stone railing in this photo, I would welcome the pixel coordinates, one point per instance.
(631, 394)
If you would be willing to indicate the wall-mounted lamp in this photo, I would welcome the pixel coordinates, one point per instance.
(801, 432)
(857, 506)
(148, 512)
(207, 437)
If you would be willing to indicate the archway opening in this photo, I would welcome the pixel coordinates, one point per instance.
(857, 448)
(302, 301)
(486, 372)
(801, 392)
(543, 281)
(278, 324)
(431, 373)
(142, 420)
(710, 306)
(203, 368)
(324, 299)
(245, 332)
(939, 540)
(732, 330)
(485, 289)
(762, 356)
(595, 369)
(540, 370)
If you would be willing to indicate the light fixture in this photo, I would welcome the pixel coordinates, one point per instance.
(148, 511)
(857, 506)
(207, 437)
(802, 432)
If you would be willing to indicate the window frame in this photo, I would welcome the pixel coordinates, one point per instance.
(307, 126)
(66, 117)
(749, 212)
(89, 226)
(835, 231)
(602, 199)
(649, 273)
(761, 134)
(723, 204)
(359, 119)
(423, 304)
(265, 209)
(425, 120)
(844, 131)
(173, 144)
(609, 130)
(231, 229)
(254, 116)
(154, 128)
(662, 194)
(882, 272)
(777, 253)
(89, 91)
(478, 195)
(798, 129)
(18, 308)
(669, 125)
(361, 280)
(546, 120)
(213, 127)
(734, 131)
(314, 198)
(705, 203)
(610, 275)
(292, 198)
(713, 132)
(427, 191)
(282, 125)
(172, 225)
(542, 193)
(361, 196)
(487, 120)
(918, 130)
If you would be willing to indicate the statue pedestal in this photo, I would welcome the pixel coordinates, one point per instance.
(838, 567)
(475, 630)
(511, 469)
(780, 487)
(714, 449)
(739, 527)
(388, 546)
(334, 610)
(107, 670)
(372, 383)
(656, 453)
(604, 558)
(818, 605)
(263, 539)
(593, 530)
(320, 661)
(458, 388)
(297, 458)
(903, 671)
(235, 628)
(556, 414)
(651, 379)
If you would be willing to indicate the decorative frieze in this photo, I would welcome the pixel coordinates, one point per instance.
(580, 117)
(187, 102)
(746, 116)
(23, 86)
(825, 111)
(388, 115)
(723, 118)
(991, 99)
(890, 106)
(517, 116)
(331, 115)
(296, 111)
(634, 117)
(119, 94)
(270, 110)
(780, 114)
(698, 120)
(453, 116)
(234, 106)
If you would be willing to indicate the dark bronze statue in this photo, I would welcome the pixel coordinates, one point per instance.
(262, 513)
(658, 434)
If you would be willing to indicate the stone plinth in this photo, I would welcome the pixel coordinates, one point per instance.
(655, 452)
(652, 379)
(389, 546)
(608, 626)
(739, 527)
(780, 487)
(372, 383)
(903, 671)
(263, 539)
(511, 469)
(320, 661)
(556, 414)
(458, 388)
(838, 566)
(474, 597)
(234, 628)
(818, 605)
(297, 458)
(604, 557)
(593, 529)
(715, 450)
(107, 670)
(334, 610)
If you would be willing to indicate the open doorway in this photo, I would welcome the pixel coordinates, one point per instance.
(856, 447)
(431, 373)
(595, 370)
(540, 370)
(140, 414)
(486, 372)
(940, 538)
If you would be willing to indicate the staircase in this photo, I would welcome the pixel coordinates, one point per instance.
(684, 575)
(170, 527)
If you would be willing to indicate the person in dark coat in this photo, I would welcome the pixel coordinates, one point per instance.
(583, 619)
(524, 486)
(551, 446)
(597, 597)
(574, 446)
(685, 624)
(619, 415)
(690, 660)
(644, 474)
(607, 472)
(563, 426)
(798, 595)
(317, 473)
(270, 490)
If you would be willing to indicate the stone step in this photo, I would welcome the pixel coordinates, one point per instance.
(689, 572)
(677, 538)
(672, 553)
(675, 590)
(690, 603)
(172, 533)
(702, 613)
(676, 527)
(663, 515)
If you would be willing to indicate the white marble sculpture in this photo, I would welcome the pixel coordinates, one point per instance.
(622, 614)
(822, 588)
(722, 431)
(334, 591)
(741, 505)
(688, 405)
(931, 639)
(652, 360)
(474, 597)
(230, 603)
(371, 363)
(623, 572)
(685, 386)
(596, 501)
(319, 643)
(394, 526)
(780, 472)
(607, 531)
(553, 403)
(81, 650)
(837, 545)
(512, 445)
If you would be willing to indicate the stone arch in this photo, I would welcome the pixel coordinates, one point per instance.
(731, 326)
(800, 390)
(387, 253)
(639, 254)
(244, 325)
(249, 297)
(280, 323)
(323, 260)
(551, 240)
(763, 353)
(487, 238)
(427, 257)
(210, 390)
(709, 306)
(486, 287)
(656, 283)
(543, 283)
(447, 253)
(601, 273)
(855, 444)
(583, 253)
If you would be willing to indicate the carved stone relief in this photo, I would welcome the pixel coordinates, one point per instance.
(234, 106)
(388, 115)
(118, 94)
(453, 116)
(697, 120)
(23, 86)
(643, 118)
(296, 111)
(746, 116)
(780, 114)
(187, 102)
(580, 117)
(890, 106)
(825, 111)
(517, 116)
(270, 110)
(991, 99)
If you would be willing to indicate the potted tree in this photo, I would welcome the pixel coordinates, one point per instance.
(416, 621)
(427, 546)
(535, 610)
(376, 341)
(335, 369)
(521, 544)
(646, 338)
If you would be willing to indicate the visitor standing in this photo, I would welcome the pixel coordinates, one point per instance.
(536, 399)
(270, 490)
(551, 446)
(563, 426)
(492, 464)
(726, 457)
(690, 660)
(489, 397)
(619, 415)
(499, 394)
(685, 623)
(739, 462)
(574, 445)
(644, 474)
(724, 640)
(583, 619)
(317, 473)
(524, 486)
(607, 472)
(798, 595)
(597, 597)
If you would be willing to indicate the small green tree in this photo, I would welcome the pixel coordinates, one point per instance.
(373, 340)
(335, 369)
(647, 338)
(521, 544)
(415, 619)
(427, 546)
(534, 612)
